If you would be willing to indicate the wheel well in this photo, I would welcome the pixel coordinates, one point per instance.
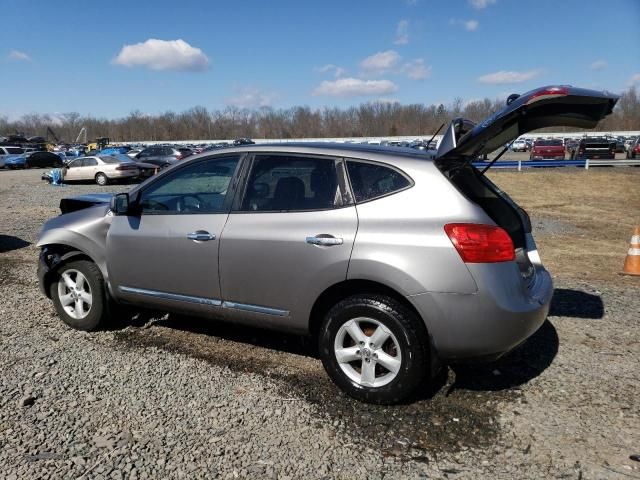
(56, 256)
(339, 291)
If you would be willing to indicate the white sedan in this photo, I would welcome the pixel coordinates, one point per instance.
(102, 169)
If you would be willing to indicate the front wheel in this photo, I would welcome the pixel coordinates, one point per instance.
(374, 348)
(78, 295)
(101, 179)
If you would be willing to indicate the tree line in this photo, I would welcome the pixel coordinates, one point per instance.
(373, 119)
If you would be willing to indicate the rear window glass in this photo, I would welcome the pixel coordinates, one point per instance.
(110, 159)
(370, 181)
(549, 143)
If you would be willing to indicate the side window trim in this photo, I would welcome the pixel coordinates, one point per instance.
(231, 190)
(378, 164)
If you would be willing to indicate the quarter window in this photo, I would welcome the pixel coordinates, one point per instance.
(370, 181)
(289, 183)
(198, 188)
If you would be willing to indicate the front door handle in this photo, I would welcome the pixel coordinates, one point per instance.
(200, 236)
(326, 241)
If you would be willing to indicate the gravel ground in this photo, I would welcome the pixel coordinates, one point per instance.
(170, 397)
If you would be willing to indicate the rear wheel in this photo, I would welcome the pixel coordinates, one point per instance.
(374, 348)
(101, 179)
(78, 295)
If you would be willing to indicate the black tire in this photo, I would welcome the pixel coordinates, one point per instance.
(97, 313)
(102, 179)
(406, 327)
(27, 165)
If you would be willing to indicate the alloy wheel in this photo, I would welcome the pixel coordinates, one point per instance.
(75, 294)
(367, 352)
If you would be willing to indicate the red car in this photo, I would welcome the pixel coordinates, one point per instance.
(547, 149)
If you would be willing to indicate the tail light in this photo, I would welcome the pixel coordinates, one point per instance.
(126, 167)
(477, 243)
(178, 156)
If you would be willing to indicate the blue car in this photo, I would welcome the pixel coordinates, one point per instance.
(113, 150)
(16, 161)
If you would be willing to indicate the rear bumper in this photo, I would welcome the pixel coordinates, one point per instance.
(123, 174)
(489, 323)
(547, 157)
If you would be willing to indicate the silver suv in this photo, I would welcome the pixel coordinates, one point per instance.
(392, 261)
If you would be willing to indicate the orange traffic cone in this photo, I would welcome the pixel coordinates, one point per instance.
(632, 262)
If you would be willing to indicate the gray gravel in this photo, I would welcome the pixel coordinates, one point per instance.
(169, 397)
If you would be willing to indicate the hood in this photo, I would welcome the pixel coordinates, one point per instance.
(550, 106)
(72, 204)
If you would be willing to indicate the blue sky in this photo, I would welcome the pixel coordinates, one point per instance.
(97, 58)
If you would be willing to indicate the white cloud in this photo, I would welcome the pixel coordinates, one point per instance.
(480, 4)
(163, 55)
(19, 56)
(351, 87)
(381, 62)
(470, 25)
(251, 98)
(599, 65)
(634, 80)
(505, 77)
(417, 70)
(330, 67)
(402, 33)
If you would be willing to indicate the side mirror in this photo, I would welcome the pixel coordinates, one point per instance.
(120, 204)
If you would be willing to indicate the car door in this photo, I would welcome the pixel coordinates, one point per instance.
(73, 170)
(287, 239)
(89, 168)
(165, 254)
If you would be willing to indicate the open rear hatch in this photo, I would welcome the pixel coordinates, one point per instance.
(465, 141)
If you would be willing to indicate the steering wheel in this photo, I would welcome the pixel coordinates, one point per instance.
(184, 206)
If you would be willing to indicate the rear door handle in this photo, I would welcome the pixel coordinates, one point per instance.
(200, 236)
(324, 241)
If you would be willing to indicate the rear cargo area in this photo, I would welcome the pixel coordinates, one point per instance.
(496, 204)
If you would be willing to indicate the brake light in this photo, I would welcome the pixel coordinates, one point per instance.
(547, 93)
(178, 156)
(477, 243)
(126, 167)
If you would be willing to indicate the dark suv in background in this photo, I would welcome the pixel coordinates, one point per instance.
(162, 155)
(596, 148)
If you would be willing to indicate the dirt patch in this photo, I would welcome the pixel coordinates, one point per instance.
(8, 275)
(454, 415)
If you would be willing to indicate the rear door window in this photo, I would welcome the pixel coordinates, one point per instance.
(280, 183)
(370, 180)
(14, 150)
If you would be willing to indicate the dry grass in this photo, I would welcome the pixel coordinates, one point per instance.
(602, 204)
